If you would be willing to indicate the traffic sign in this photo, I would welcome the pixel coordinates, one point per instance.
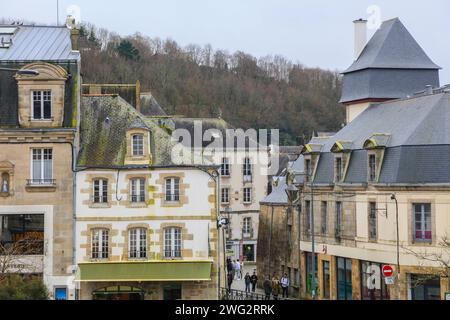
(389, 280)
(388, 271)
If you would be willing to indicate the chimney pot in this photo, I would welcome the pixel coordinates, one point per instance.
(360, 36)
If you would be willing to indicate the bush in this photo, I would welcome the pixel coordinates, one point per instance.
(15, 287)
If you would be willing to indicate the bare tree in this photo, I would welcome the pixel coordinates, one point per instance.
(439, 256)
(15, 257)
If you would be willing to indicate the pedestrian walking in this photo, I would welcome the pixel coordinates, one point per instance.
(248, 281)
(285, 285)
(230, 280)
(254, 281)
(267, 287)
(234, 269)
(238, 270)
(276, 288)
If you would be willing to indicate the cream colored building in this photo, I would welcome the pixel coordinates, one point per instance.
(39, 106)
(390, 152)
(146, 228)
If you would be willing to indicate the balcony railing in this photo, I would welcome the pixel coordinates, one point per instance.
(231, 294)
(247, 233)
(41, 182)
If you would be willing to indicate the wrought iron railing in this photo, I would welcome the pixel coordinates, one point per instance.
(232, 294)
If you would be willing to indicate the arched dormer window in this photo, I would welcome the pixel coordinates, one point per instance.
(375, 146)
(341, 150)
(41, 95)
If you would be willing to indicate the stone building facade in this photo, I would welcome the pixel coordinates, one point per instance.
(39, 106)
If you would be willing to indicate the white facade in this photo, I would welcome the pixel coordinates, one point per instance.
(242, 233)
(195, 214)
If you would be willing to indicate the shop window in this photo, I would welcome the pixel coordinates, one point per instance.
(309, 272)
(172, 292)
(425, 287)
(326, 279)
(22, 234)
(373, 286)
(344, 278)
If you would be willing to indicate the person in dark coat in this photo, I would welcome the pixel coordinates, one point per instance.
(267, 287)
(254, 281)
(248, 281)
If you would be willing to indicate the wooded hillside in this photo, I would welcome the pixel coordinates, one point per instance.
(194, 81)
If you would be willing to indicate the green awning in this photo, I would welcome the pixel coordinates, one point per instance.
(173, 270)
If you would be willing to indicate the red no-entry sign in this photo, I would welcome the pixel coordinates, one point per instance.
(388, 271)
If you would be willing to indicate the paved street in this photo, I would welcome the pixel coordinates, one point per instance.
(240, 284)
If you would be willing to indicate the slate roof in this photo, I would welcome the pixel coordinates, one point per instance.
(278, 194)
(392, 46)
(415, 133)
(392, 65)
(104, 123)
(150, 106)
(44, 43)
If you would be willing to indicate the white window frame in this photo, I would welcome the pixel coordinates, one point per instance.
(102, 189)
(137, 243)
(137, 190)
(225, 167)
(225, 195)
(247, 167)
(41, 94)
(423, 222)
(137, 147)
(103, 243)
(41, 180)
(247, 191)
(247, 225)
(172, 242)
(172, 189)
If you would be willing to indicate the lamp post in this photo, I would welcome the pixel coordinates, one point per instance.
(21, 71)
(224, 223)
(393, 197)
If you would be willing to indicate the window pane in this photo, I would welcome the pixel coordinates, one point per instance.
(37, 105)
(47, 104)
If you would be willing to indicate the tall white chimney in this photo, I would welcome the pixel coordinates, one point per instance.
(360, 36)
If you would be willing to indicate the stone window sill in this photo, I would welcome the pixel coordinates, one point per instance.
(41, 188)
(137, 205)
(99, 205)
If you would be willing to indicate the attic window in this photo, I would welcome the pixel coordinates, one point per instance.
(372, 168)
(338, 169)
(138, 144)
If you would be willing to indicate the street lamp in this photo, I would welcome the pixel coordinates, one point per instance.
(21, 71)
(393, 197)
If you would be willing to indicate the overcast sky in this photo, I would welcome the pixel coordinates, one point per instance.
(317, 33)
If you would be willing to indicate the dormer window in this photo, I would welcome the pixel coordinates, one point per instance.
(372, 168)
(138, 145)
(42, 105)
(307, 170)
(338, 169)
